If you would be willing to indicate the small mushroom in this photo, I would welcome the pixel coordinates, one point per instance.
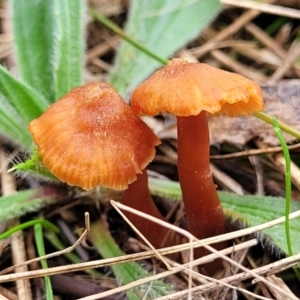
(91, 137)
(189, 90)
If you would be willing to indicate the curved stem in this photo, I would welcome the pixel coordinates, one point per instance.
(283, 126)
(202, 205)
(118, 30)
(138, 197)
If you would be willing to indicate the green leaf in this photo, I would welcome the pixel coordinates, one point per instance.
(163, 27)
(34, 166)
(12, 126)
(254, 210)
(69, 41)
(48, 37)
(248, 210)
(26, 101)
(49, 43)
(23, 202)
(125, 272)
(33, 31)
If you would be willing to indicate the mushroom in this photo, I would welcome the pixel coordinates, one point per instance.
(91, 137)
(189, 90)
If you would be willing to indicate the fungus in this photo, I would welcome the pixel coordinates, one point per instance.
(189, 90)
(91, 137)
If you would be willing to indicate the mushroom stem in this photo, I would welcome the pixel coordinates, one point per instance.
(202, 205)
(138, 197)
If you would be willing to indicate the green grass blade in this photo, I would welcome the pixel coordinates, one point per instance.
(288, 190)
(34, 33)
(158, 25)
(283, 126)
(39, 241)
(41, 222)
(125, 272)
(288, 185)
(115, 28)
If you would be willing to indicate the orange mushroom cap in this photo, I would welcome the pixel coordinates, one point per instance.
(186, 89)
(91, 137)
